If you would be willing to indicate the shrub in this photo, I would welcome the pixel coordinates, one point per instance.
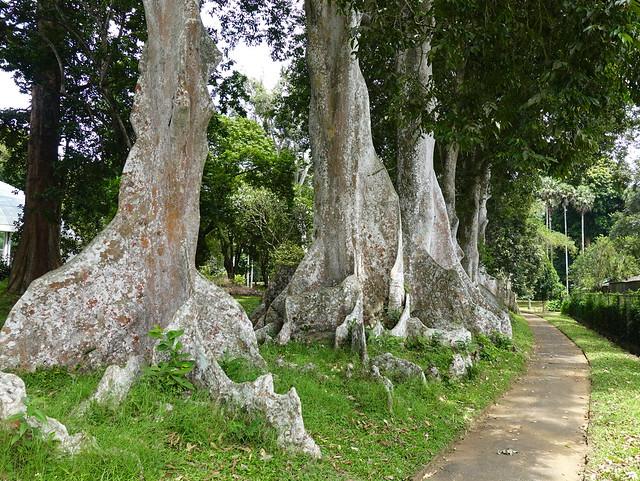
(5, 269)
(287, 254)
(554, 304)
(615, 315)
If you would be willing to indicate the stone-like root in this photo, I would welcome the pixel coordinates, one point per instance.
(282, 412)
(13, 396)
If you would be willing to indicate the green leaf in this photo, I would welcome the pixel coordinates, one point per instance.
(156, 333)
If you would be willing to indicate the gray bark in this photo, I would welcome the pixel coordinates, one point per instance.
(449, 187)
(140, 271)
(474, 218)
(442, 294)
(356, 218)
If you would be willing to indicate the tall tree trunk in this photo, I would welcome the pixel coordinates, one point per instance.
(140, 271)
(483, 219)
(476, 185)
(38, 251)
(449, 190)
(441, 293)
(357, 216)
(582, 229)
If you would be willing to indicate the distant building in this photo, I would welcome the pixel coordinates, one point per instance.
(630, 284)
(11, 207)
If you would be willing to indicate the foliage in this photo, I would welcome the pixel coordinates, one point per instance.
(24, 428)
(583, 199)
(5, 269)
(287, 254)
(547, 284)
(7, 300)
(249, 204)
(614, 315)
(602, 261)
(198, 440)
(555, 304)
(614, 414)
(626, 227)
(172, 370)
(517, 246)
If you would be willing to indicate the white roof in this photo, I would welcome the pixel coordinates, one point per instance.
(11, 206)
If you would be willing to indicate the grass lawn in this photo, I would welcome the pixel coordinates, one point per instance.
(614, 429)
(162, 435)
(249, 303)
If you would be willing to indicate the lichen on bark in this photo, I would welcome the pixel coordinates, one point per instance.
(140, 271)
(356, 216)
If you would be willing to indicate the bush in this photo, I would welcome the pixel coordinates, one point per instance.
(554, 304)
(614, 315)
(287, 254)
(5, 269)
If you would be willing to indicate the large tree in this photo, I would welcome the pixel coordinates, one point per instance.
(39, 249)
(78, 60)
(362, 259)
(140, 271)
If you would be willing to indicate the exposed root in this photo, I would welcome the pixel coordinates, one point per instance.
(386, 383)
(115, 384)
(13, 396)
(282, 411)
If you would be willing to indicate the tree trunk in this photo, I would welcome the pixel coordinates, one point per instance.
(38, 251)
(140, 271)
(474, 186)
(582, 229)
(483, 220)
(449, 190)
(441, 293)
(356, 217)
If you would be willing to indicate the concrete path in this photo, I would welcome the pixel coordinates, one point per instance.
(542, 417)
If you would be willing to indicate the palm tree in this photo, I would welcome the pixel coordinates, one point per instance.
(548, 193)
(583, 202)
(566, 193)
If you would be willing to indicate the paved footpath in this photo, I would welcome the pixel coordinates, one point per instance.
(542, 417)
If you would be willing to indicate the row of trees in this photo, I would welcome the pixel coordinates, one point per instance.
(517, 91)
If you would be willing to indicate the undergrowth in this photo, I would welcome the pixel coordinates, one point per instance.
(162, 435)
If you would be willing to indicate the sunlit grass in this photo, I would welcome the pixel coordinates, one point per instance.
(614, 428)
(159, 435)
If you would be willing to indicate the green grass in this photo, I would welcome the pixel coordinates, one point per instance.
(249, 303)
(614, 427)
(197, 441)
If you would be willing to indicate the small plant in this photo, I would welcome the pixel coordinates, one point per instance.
(501, 341)
(393, 316)
(22, 423)
(172, 371)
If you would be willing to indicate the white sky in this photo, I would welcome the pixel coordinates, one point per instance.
(10, 96)
(254, 62)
